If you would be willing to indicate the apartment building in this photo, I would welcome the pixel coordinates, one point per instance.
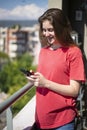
(16, 41)
(13, 41)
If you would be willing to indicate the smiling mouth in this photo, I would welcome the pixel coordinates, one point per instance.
(50, 40)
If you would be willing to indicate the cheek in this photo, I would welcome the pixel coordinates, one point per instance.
(43, 33)
(53, 34)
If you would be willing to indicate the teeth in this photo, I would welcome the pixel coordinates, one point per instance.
(50, 39)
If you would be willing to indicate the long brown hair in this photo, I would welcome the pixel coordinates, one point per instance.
(61, 25)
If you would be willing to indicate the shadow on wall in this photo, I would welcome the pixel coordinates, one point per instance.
(85, 64)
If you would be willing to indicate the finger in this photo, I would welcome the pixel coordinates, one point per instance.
(33, 76)
(37, 74)
(36, 84)
(29, 78)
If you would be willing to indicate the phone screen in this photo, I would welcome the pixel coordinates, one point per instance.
(27, 72)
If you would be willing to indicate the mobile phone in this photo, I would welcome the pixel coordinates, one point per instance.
(27, 72)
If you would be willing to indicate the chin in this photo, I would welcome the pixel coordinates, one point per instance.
(51, 42)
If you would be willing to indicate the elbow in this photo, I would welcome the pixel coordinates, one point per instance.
(75, 94)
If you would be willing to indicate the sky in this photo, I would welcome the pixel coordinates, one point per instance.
(22, 9)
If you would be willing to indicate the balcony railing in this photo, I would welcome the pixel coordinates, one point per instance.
(6, 105)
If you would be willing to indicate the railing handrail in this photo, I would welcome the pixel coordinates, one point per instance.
(9, 101)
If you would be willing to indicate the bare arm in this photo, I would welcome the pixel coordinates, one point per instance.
(66, 90)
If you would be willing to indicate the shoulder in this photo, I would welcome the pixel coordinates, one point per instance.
(74, 51)
(43, 49)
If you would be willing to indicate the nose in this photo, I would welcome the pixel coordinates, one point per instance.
(46, 33)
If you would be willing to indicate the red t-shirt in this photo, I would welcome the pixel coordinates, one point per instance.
(60, 66)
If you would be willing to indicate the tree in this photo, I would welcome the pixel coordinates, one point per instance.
(12, 79)
(11, 75)
(4, 58)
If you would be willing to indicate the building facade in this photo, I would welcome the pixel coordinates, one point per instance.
(16, 41)
(13, 41)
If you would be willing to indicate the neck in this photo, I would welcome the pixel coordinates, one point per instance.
(54, 46)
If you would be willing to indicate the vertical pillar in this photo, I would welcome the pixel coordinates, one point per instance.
(85, 48)
(85, 40)
(9, 119)
(55, 4)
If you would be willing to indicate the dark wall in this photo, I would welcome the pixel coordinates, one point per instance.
(71, 9)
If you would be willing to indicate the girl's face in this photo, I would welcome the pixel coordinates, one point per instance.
(48, 32)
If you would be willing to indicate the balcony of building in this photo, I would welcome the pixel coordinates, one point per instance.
(25, 118)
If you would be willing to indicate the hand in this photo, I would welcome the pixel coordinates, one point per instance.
(38, 79)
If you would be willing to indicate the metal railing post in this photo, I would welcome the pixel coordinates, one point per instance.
(9, 119)
(9, 101)
(6, 105)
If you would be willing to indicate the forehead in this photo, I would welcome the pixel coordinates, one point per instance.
(47, 24)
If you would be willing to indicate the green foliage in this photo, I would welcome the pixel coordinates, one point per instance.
(12, 79)
(16, 26)
(4, 58)
(23, 101)
(3, 55)
(11, 75)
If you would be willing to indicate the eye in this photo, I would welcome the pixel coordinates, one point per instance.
(44, 30)
(50, 29)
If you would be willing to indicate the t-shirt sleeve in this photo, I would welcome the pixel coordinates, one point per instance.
(76, 65)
